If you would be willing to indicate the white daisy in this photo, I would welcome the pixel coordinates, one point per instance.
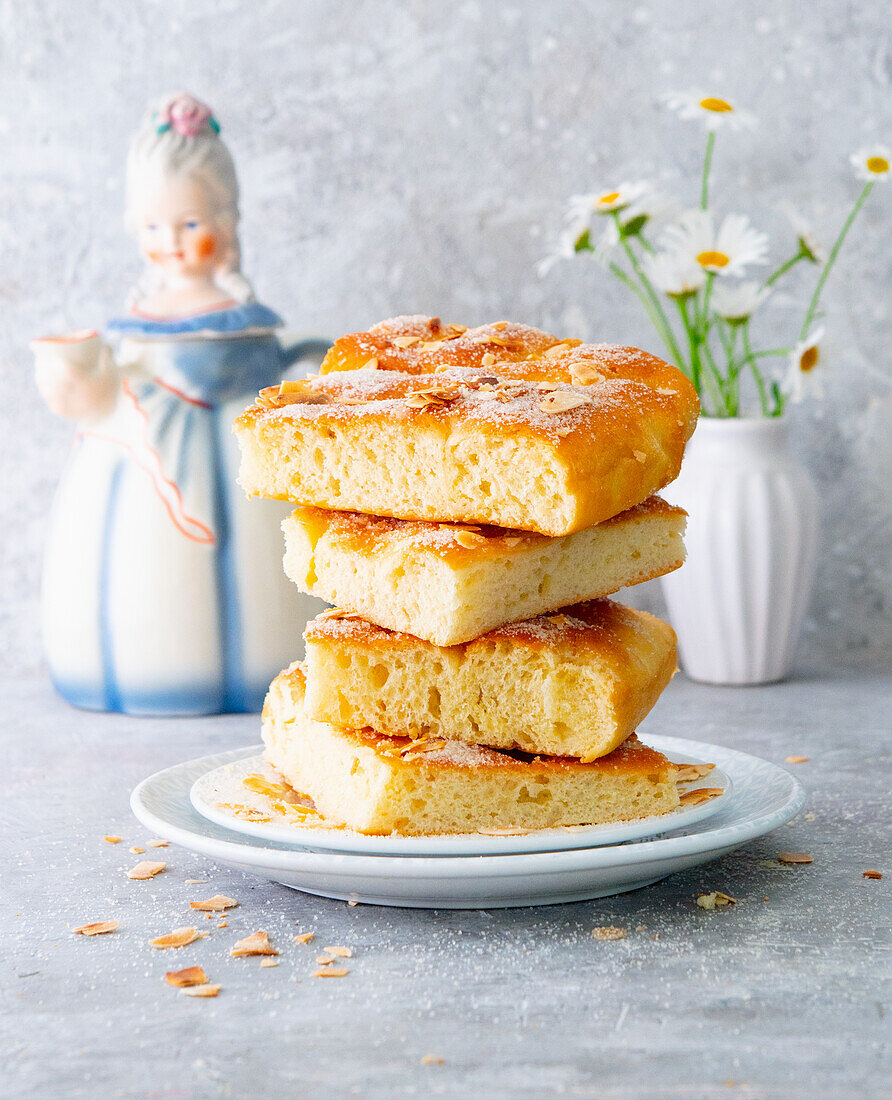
(710, 110)
(674, 274)
(606, 202)
(726, 251)
(872, 163)
(809, 244)
(736, 302)
(804, 358)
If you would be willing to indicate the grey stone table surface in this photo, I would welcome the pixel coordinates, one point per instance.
(784, 995)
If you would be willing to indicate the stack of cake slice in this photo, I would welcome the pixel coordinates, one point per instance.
(467, 498)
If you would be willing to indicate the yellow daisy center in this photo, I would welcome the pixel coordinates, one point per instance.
(606, 200)
(877, 165)
(719, 106)
(713, 259)
(808, 360)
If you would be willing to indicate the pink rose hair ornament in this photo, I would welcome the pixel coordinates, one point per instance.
(185, 115)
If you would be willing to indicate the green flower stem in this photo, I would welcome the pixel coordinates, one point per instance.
(771, 353)
(754, 368)
(707, 166)
(727, 395)
(831, 259)
(784, 268)
(664, 327)
(694, 341)
(671, 345)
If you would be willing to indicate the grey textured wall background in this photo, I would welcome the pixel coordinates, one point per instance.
(415, 156)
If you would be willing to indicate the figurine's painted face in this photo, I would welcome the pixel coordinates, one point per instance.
(178, 231)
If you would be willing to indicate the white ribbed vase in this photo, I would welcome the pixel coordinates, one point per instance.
(737, 603)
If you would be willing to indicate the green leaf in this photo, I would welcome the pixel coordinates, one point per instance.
(583, 242)
(633, 228)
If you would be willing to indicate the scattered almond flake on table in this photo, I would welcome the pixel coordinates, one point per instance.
(700, 794)
(180, 937)
(269, 962)
(99, 928)
(794, 857)
(872, 874)
(216, 904)
(222, 924)
(136, 851)
(609, 933)
(324, 960)
(255, 944)
(112, 839)
(145, 870)
(196, 881)
(689, 772)
(202, 991)
(715, 900)
(157, 843)
(331, 972)
(796, 760)
(339, 951)
(180, 979)
(431, 1060)
(304, 937)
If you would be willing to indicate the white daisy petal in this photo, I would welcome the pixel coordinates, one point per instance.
(872, 162)
(726, 251)
(674, 274)
(804, 358)
(712, 111)
(738, 301)
(808, 242)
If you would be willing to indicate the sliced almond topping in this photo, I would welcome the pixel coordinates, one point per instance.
(255, 944)
(640, 456)
(146, 869)
(112, 839)
(796, 760)
(794, 857)
(470, 540)
(864, 874)
(269, 962)
(665, 391)
(331, 972)
(98, 928)
(216, 904)
(431, 1060)
(192, 975)
(430, 345)
(304, 937)
(488, 359)
(562, 401)
(156, 843)
(136, 851)
(405, 341)
(715, 900)
(371, 364)
(499, 326)
(202, 991)
(339, 951)
(259, 784)
(609, 933)
(180, 937)
(701, 794)
(688, 772)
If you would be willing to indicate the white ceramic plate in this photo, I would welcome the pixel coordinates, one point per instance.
(221, 787)
(764, 796)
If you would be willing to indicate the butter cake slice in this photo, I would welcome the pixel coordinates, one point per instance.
(465, 446)
(379, 785)
(447, 583)
(572, 684)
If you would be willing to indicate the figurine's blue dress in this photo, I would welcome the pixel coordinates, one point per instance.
(163, 585)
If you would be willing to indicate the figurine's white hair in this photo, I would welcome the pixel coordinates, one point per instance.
(155, 156)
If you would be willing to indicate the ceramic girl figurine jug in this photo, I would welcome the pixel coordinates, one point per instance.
(163, 585)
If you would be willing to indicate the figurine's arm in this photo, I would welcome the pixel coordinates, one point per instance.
(76, 376)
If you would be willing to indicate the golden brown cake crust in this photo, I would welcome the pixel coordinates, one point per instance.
(356, 532)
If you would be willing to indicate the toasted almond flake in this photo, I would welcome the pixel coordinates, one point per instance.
(430, 345)
(180, 979)
(796, 760)
(353, 902)
(700, 794)
(202, 991)
(98, 928)
(371, 364)
(339, 951)
(609, 933)
(405, 341)
(196, 881)
(180, 937)
(216, 904)
(304, 937)
(715, 900)
(259, 784)
(331, 972)
(269, 962)
(688, 772)
(255, 944)
(640, 456)
(431, 1060)
(112, 839)
(145, 870)
(864, 874)
(136, 851)
(469, 539)
(222, 924)
(794, 857)
(324, 960)
(488, 359)
(157, 843)
(562, 401)
(499, 326)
